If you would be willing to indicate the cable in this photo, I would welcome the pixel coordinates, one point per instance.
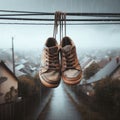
(95, 14)
(44, 19)
(13, 11)
(53, 24)
(68, 14)
(24, 14)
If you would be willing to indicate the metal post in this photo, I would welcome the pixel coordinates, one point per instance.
(13, 55)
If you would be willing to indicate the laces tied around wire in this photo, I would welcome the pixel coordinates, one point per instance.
(59, 20)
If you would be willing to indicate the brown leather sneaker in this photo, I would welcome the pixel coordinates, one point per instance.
(50, 68)
(71, 70)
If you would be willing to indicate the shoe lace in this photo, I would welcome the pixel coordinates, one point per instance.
(52, 60)
(70, 60)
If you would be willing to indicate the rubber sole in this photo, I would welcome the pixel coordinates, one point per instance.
(49, 85)
(73, 81)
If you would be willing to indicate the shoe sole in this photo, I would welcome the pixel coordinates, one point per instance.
(72, 81)
(47, 84)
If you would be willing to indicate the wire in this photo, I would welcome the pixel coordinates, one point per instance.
(68, 14)
(44, 19)
(13, 11)
(26, 14)
(7, 23)
(95, 14)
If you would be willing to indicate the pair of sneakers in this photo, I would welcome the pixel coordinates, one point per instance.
(53, 67)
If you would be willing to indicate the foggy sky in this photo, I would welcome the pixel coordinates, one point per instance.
(64, 5)
(83, 36)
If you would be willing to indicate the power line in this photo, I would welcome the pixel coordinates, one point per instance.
(13, 11)
(104, 23)
(26, 14)
(68, 14)
(45, 19)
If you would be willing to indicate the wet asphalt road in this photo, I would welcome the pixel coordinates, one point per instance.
(60, 107)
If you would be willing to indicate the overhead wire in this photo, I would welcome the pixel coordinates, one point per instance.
(68, 14)
(105, 18)
(24, 14)
(15, 11)
(21, 23)
(47, 19)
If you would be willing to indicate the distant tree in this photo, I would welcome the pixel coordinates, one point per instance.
(107, 97)
(91, 70)
(7, 97)
(36, 77)
(37, 82)
(11, 95)
(27, 86)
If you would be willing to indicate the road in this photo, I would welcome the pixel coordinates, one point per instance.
(60, 107)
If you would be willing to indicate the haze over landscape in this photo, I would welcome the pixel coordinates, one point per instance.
(84, 36)
(102, 36)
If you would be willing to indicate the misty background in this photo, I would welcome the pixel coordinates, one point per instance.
(84, 36)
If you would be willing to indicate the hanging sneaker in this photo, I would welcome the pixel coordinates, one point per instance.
(50, 68)
(71, 70)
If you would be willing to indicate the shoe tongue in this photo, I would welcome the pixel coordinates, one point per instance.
(67, 48)
(53, 49)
